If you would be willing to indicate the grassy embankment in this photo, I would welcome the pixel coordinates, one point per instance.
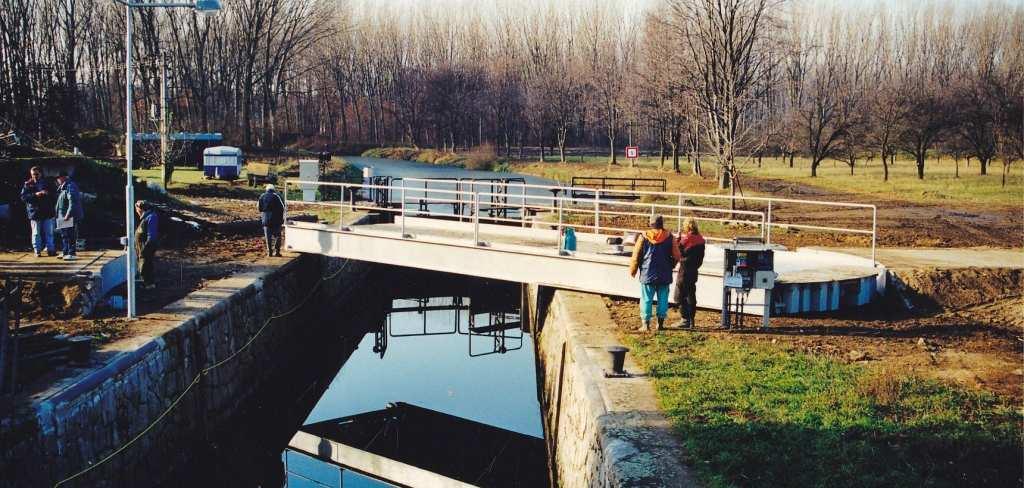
(940, 184)
(187, 180)
(757, 414)
(482, 157)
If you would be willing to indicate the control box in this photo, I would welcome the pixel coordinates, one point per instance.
(749, 266)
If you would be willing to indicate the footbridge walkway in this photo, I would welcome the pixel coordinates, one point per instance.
(514, 231)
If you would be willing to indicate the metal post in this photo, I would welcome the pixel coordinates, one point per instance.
(129, 189)
(558, 245)
(768, 230)
(341, 210)
(874, 234)
(679, 215)
(476, 218)
(597, 211)
(404, 235)
(522, 211)
(767, 308)
(164, 138)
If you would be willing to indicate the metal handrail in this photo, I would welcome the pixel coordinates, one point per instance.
(770, 201)
(560, 204)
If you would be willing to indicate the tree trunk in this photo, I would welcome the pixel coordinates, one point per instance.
(984, 165)
(612, 157)
(791, 159)
(661, 155)
(956, 166)
(1006, 169)
(814, 167)
(920, 167)
(542, 152)
(885, 168)
(675, 157)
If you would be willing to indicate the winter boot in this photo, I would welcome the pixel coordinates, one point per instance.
(645, 325)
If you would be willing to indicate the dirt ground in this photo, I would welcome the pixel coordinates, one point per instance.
(967, 327)
(901, 223)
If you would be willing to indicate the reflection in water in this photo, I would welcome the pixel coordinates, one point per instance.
(458, 360)
(492, 330)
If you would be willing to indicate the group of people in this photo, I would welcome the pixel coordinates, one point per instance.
(654, 259)
(51, 210)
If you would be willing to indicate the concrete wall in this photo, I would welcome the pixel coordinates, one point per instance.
(84, 418)
(601, 432)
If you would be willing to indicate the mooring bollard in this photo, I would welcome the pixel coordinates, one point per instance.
(618, 358)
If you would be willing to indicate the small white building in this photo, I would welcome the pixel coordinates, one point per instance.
(222, 162)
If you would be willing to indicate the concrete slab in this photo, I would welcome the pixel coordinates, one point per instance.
(531, 255)
(27, 266)
(971, 257)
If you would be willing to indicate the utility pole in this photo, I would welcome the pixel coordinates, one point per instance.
(164, 142)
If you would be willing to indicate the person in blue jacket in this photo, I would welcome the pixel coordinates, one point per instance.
(271, 208)
(147, 238)
(39, 201)
(69, 215)
(654, 256)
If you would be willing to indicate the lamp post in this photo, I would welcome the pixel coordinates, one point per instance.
(202, 6)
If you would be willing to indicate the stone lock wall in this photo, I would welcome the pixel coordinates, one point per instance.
(87, 417)
(601, 432)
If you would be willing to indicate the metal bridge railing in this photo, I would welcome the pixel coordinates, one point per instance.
(770, 204)
(523, 209)
(603, 213)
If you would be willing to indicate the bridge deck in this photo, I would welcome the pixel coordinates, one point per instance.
(809, 280)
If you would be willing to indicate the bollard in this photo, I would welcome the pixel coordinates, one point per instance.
(618, 358)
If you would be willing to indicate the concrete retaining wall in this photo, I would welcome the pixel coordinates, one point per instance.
(601, 432)
(84, 418)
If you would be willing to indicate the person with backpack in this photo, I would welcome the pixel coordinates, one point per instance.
(691, 246)
(147, 238)
(69, 215)
(654, 256)
(39, 205)
(271, 208)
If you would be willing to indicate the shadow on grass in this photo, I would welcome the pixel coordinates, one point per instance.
(769, 454)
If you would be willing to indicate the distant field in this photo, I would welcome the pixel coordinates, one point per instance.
(939, 185)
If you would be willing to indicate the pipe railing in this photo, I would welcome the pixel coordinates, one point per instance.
(609, 208)
(571, 212)
(769, 202)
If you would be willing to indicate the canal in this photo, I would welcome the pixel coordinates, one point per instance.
(447, 352)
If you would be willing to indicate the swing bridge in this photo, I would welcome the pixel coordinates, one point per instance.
(507, 229)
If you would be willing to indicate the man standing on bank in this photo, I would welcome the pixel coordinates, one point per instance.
(147, 238)
(271, 208)
(691, 247)
(654, 256)
(39, 205)
(69, 215)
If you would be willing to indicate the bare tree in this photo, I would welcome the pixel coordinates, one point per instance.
(728, 43)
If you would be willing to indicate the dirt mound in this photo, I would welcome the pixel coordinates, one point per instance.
(991, 295)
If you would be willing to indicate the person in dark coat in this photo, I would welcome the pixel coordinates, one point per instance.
(147, 238)
(691, 247)
(271, 208)
(40, 201)
(654, 256)
(69, 215)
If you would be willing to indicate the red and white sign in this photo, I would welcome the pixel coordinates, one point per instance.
(632, 152)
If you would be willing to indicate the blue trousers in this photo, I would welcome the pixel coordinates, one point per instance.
(648, 293)
(69, 239)
(42, 235)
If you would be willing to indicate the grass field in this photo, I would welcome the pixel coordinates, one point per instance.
(940, 185)
(756, 414)
(183, 177)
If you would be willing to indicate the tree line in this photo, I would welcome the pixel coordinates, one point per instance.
(712, 81)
